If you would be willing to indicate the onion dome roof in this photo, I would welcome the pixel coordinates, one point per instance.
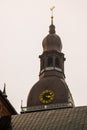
(52, 41)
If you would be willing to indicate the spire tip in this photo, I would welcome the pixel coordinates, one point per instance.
(4, 90)
(52, 8)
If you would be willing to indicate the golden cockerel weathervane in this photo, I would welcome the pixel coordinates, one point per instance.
(52, 8)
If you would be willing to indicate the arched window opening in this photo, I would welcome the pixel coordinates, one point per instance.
(42, 64)
(57, 62)
(50, 62)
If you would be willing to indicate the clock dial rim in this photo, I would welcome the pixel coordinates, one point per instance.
(46, 96)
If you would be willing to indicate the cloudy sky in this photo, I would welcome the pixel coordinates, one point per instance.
(23, 25)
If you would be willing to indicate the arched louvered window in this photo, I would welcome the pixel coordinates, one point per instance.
(42, 64)
(50, 62)
(57, 62)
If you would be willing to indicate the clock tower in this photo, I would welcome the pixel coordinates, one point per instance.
(51, 91)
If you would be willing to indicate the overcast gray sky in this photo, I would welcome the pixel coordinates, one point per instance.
(23, 25)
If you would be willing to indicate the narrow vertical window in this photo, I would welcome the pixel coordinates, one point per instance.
(42, 64)
(57, 62)
(50, 62)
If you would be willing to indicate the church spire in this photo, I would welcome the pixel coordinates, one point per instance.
(52, 27)
(4, 91)
(52, 8)
(51, 91)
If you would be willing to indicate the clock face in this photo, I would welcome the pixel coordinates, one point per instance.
(47, 96)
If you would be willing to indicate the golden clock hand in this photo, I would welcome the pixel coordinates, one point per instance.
(48, 96)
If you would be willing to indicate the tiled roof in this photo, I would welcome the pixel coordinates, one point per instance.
(58, 119)
(8, 104)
